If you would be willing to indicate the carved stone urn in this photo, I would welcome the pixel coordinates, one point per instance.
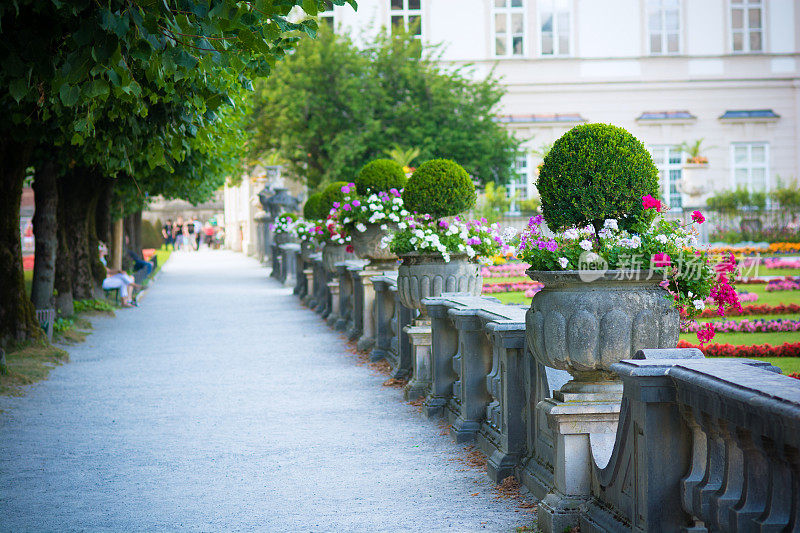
(307, 248)
(584, 327)
(368, 245)
(427, 275)
(334, 253)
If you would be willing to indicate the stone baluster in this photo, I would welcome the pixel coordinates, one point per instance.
(405, 317)
(345, 290)
(503, 435)
(475, 359)
(444, 345)
(300, 286)
(355, 323)
(383, 316)
(275, 254)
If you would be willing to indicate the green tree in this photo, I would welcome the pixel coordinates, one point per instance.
(123, 86)
(330, 108)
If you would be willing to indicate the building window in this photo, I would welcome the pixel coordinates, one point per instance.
(669, 162)
(509, 28)
(517, 189)
(747, 25)
(554, 19)
(664, 26)
(407, 14)
(326, 15)
(750, 166)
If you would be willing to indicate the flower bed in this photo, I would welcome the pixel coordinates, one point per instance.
(761, 350)
(747, 326)
(788, 284)
(508, 270)
(774, 248)
(512, 286)
(760, 309)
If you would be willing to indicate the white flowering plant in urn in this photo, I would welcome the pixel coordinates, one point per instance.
(598, 187)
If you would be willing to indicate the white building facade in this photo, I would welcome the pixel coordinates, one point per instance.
(669, 71)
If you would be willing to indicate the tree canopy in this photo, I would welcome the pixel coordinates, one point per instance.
(331, 107)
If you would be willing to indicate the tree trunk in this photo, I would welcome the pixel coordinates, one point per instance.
(63, 278)
(17, 317)
(103, 216)
(136, 233)
(45, 232)
(77, 201)
(116, 249)
(98, 269)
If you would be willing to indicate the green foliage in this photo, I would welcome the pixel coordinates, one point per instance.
(62, 324)
(82, 306)
(530, 205)
(728, 202)
(404, 157)
(380, 175)
(331, 193)
(440, 188)
(385, 95)
(594, 172)
(495, 202)
(289, 217)
(787, 197)
(311, 209)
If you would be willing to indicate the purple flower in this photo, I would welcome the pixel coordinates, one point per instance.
(336, 205)
(346, 207)
(474, 241)
(394, 191)
(356, 203)
(538, 219)
(346, 189)
(443, 224)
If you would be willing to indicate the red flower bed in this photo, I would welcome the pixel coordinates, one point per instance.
(795, 375)
(760, 350)
(760, 309)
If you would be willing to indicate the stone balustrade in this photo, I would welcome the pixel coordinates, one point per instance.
(696, 445)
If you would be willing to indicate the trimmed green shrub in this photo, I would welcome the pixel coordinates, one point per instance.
(380, 175)
(311, 207)
(594, 172)
(287, 216)
(440, 188)
(332, 193)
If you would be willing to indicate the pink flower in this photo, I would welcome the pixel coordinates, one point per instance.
(661, 260)
(706, 333)
(698, 217)
(349, 249)
(336, 205)
(356, 203)
(346, 207)
(346, 189)
(648, 202)
(394, 191)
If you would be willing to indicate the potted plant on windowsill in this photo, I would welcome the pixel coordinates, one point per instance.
(617, 276)
(439, 250)
(694, 180)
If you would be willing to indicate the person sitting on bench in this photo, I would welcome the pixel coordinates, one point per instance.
(138, 261)
(121, 280)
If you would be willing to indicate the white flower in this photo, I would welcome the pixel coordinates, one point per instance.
(699, 304)
(585, 244)
(611, 224)
(662, 239)
(384, 227)
(361, 227)
(605, 233)
(563, 261)
(591, 257)
(571, 234)
(402, 225)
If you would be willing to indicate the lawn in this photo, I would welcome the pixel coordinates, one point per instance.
(513, 279)
(786, 364)
(771, 298)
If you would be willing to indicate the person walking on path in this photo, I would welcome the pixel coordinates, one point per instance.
(166, 233)
(177, 232)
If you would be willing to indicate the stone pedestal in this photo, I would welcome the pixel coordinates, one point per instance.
(367, 340)
(333, 288)
(419, 336)
(585, 427)
(309, 297)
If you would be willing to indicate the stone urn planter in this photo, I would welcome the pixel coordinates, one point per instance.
(306, 249)
(695, 181)
(368, 245)
(425, 275)
(584, 327)
(283, 238)
(334, 253)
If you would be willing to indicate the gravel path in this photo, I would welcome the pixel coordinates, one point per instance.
(222, 404)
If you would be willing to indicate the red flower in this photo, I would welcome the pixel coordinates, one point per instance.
(698, 217)
(661, 260)
(648, 202)
(706, 333)
(349, 249)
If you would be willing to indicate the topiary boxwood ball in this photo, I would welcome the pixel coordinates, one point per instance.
(312, 207)
(440, 188)
(594, 172)
(332, 193)
(380, 175)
